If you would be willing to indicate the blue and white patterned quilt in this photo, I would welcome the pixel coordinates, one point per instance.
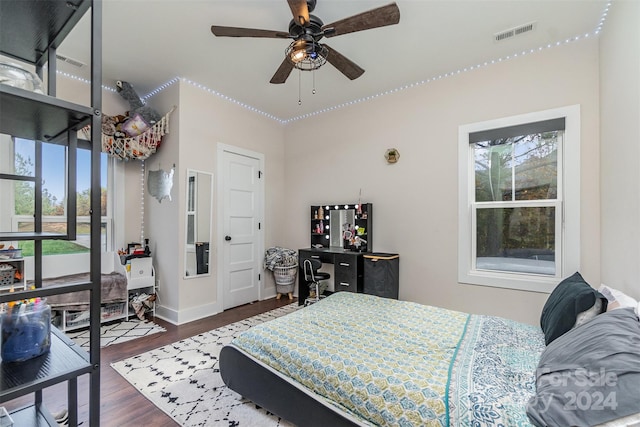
(389, 362)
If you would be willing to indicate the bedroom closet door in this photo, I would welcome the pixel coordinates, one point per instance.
(242, 209)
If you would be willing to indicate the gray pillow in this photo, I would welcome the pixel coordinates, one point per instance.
(591, 374)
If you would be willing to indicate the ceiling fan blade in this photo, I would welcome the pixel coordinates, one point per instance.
(282, 73)
(374, 18)
(344, 65)
(300, 11)
(246, 32)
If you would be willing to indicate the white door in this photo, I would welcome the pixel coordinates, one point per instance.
(241, 233)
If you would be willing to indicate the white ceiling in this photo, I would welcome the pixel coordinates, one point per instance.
(149, 42)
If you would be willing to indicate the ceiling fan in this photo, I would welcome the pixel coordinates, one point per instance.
(306, 30)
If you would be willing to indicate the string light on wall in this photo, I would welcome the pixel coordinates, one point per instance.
(232, 100)
(487, 63)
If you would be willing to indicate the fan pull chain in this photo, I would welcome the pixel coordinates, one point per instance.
(299, 87)
(314, 82)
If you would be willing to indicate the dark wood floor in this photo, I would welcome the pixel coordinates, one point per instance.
(121, 404)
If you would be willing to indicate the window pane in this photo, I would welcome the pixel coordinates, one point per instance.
(25, 226)
(536, 166)
(16, 156)
(54, 179)
(83, 184)
(23, 198)
(529, 163)
(516, 239)
(493, 171)
(83, 234)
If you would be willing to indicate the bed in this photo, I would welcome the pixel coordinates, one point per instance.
(355, 360)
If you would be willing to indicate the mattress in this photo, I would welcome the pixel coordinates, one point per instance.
(389, 362)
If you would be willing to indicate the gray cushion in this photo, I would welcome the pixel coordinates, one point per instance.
(591, 374)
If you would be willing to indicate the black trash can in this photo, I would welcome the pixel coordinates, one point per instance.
(381, 273)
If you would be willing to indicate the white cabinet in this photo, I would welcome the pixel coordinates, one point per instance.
(141, 280)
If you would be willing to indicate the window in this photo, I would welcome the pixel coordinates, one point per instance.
(54, 175)
(519, 201)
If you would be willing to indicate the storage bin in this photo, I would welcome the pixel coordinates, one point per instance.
(116, 309)
(6, 254)
(7, 273)
(381, 273)
(77, 319)
(26, 331)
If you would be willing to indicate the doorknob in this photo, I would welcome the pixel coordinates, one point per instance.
(227, 238)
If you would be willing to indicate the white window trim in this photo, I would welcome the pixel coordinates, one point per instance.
(568, 246)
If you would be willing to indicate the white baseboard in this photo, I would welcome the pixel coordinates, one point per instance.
(166, 314)
(185, 316)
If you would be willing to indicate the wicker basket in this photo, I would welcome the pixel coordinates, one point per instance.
(285, 275)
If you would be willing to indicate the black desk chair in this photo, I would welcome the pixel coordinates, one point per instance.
(312, 276)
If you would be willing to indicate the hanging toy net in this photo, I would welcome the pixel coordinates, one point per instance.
(138, 147)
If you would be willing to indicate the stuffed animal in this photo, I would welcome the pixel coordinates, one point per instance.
(147, 113)
(108, 125)
(112, 125)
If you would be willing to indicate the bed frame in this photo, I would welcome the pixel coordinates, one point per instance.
(269, 389)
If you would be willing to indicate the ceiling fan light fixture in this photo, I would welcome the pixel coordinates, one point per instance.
(306, 55)
(298, 51)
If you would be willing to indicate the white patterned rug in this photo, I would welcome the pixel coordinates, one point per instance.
(118, 332)
(183, 380)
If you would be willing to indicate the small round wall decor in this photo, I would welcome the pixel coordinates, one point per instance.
(392, 155)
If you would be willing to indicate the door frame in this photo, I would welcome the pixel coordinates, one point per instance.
(220, 232)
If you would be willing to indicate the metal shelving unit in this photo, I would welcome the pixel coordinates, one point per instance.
(30, 32)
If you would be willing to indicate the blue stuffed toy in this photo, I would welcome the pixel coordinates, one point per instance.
(146, 113)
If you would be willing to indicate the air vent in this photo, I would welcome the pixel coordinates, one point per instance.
(512, 32)
(68, 60)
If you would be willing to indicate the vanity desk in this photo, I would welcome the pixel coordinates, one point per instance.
(348, 269)
(342, 235)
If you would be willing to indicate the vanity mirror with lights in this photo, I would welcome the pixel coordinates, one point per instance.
(198, 218)
(343, 227)
(340, 235)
